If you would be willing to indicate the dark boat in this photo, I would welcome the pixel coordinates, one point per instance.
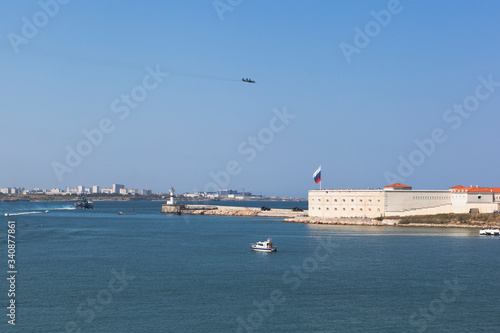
(84, 203)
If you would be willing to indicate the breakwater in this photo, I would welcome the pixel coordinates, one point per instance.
(230, 211)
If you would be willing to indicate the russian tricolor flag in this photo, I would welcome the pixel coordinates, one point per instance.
(317, 175)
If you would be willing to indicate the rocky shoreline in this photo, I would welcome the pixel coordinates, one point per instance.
(291, 216)
(341, 221)
(385, 222)
(238, 211)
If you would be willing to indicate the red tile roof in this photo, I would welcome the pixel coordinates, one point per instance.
(397, 185)
(485, 189)
(460, 188)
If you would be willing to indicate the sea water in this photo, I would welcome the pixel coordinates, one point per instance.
(97, 271)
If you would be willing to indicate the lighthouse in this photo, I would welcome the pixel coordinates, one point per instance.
(171, 201)
(172, 207)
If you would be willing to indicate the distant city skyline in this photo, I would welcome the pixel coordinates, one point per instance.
(123, 190)
(151, 94)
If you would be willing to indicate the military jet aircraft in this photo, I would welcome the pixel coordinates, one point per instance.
(247, 80)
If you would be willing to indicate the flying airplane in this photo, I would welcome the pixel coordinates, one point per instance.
(248, 80)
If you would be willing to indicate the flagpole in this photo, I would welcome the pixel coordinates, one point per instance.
(320, 179)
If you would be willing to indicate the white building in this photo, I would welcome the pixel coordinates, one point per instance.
(117, 188)
(107, 190)
(123, 191)
(401, 200)
(210, 195)
(96, 189)
(55, 191)
(71, 190)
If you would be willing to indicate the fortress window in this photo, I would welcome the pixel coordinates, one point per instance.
(479, 197)
(352, 200)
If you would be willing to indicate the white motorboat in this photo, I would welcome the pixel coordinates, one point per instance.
(489, 232)
(265, 246)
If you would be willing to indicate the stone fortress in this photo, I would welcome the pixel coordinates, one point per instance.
(401, 200)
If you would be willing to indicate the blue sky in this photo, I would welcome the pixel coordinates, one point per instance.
(367, 117)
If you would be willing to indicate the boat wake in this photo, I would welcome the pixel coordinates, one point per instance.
(25, 213)
(40, 210)
(54, 206)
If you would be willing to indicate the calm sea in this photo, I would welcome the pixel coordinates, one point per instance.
(97, 271)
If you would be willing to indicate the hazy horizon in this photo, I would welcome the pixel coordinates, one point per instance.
(150, 95)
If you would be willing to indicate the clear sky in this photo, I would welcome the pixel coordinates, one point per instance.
(373, 91)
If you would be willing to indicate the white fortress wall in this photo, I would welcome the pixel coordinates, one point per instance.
(404, 200)
(478, 197)
(346, 203)
(444, 209)
(398, 201)
(483, 208)
(459, 199)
